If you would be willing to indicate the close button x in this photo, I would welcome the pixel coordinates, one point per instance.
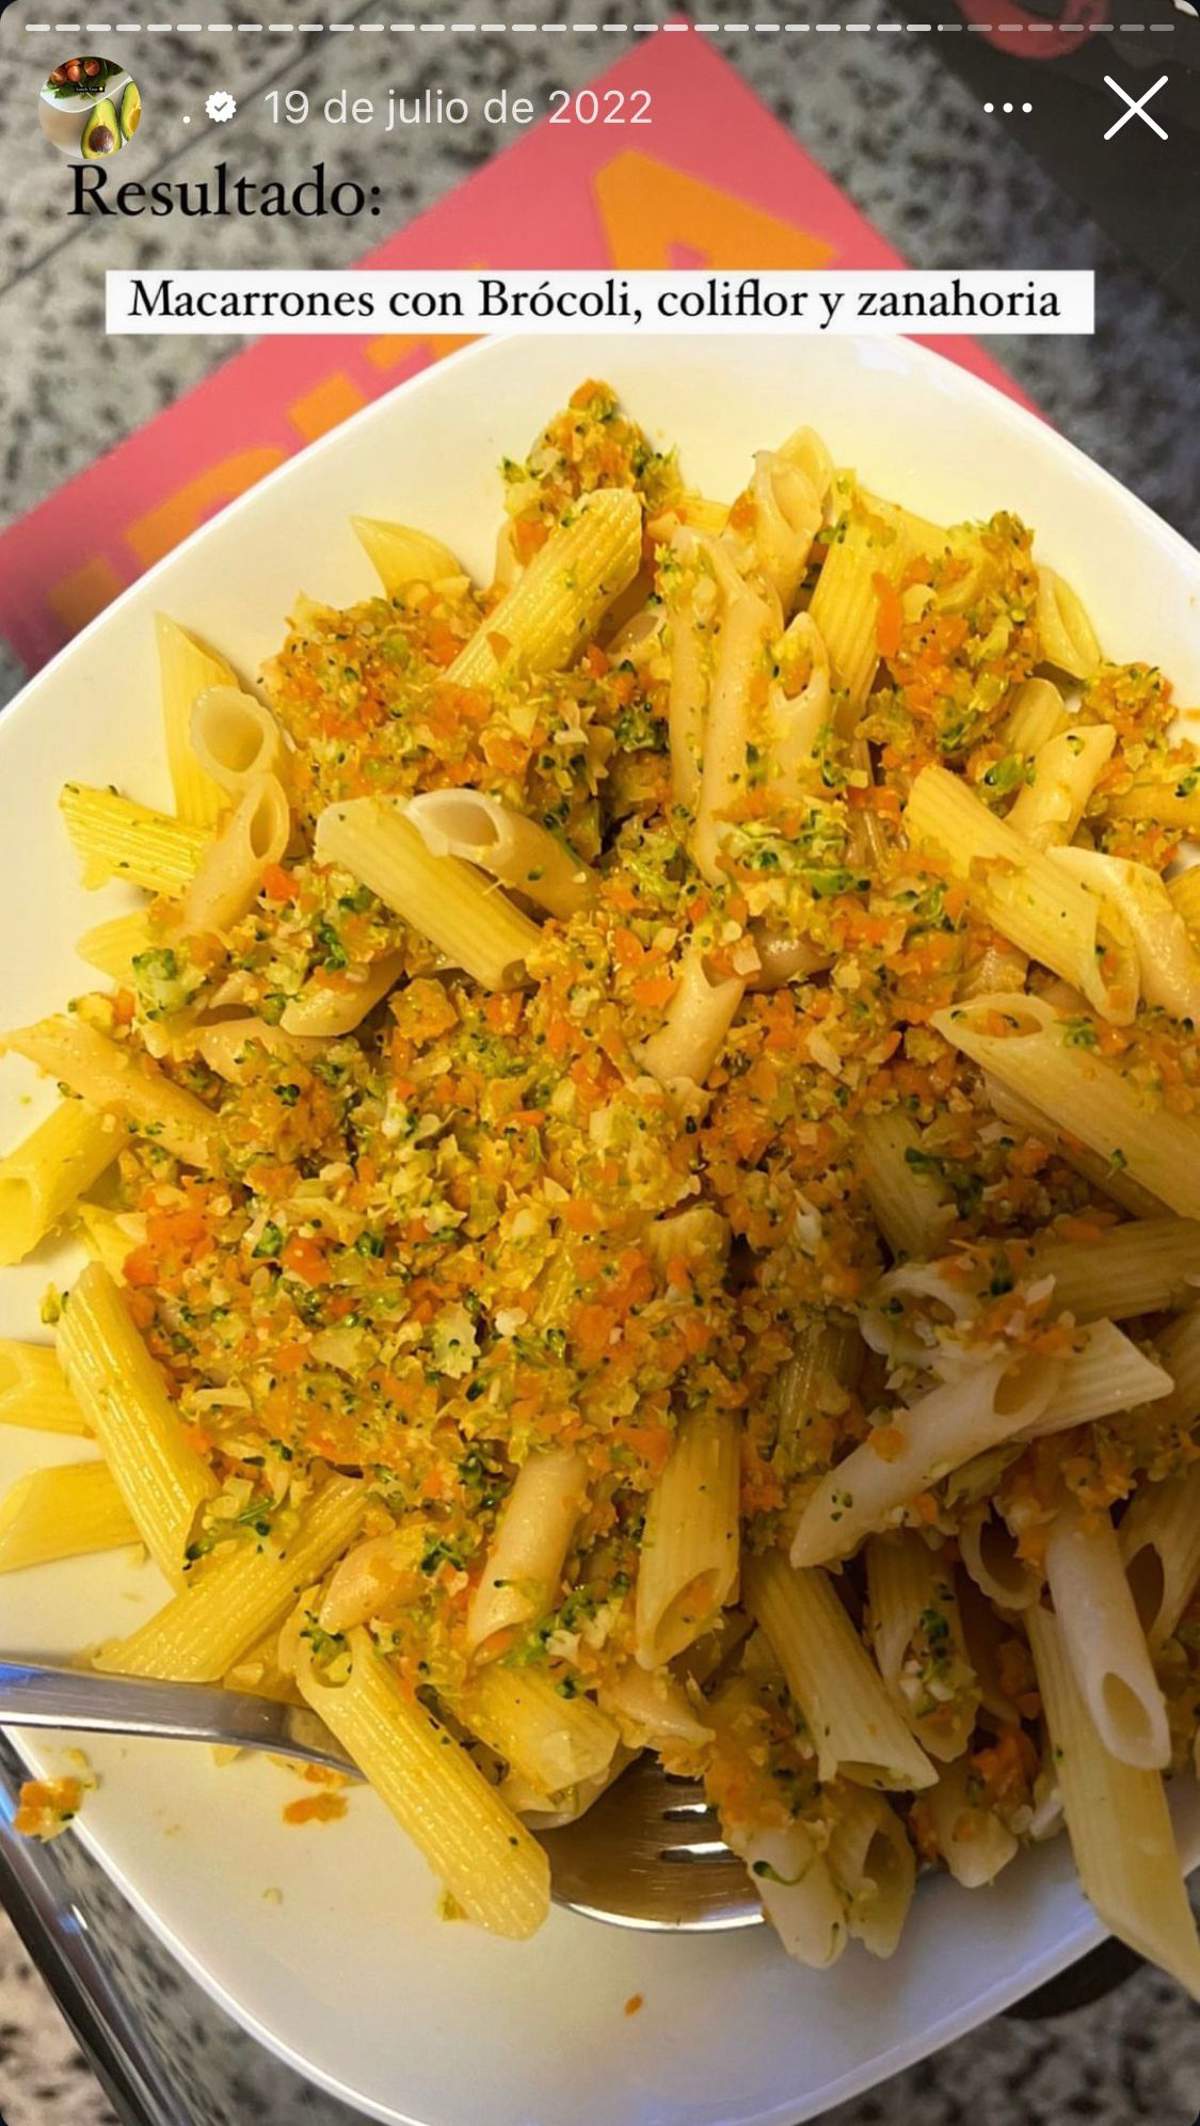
(1137, 107)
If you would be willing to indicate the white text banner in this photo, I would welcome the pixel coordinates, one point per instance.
(877, 304)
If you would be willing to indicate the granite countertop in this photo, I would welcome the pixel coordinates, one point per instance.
(947, 187)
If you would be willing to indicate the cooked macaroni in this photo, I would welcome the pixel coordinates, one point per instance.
(627, 1126)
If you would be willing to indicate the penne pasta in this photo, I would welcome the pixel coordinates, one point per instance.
(114, 946)
(1026, 895)
(700, 511)
(62, 1513)
(401, 556)
(740, 668)
(845, 604)
(1169, 800)
(652, 1710)
(799, 707)
(1066, 637)
(1036, 714)
(542, 1814)
(120, 839)
(1178, 1348)
(235, 738)
(369, 1578)
(513, 849)
(42, 1178)
(321, 1012)
(693, 1032)
(812, 1385)
(947, 1427)
(1184, 893)
(911, 1207)
(444, 899)
(488, 1861)
(783, 958)
(186, 669)
(1023, 1044)
(230, 1048)
(1103, 1640)
(799, 1894)
(1168, 962)
(121, 1085)
(783, 504)
(121, 1395)
(874, 1866)
(1065, 771)
(233, 1598)
(1143, 1267)
(525, 1561)
(496, 1342)
(917, 1636)
(688, 1567)
(555, 606)
(1159, 1540)
(550, 1740)
(695, 593)
(970, 1836)
(229, 876)
(854, 1726)
(1105, 1373)
(989, 1554)
(998, 966)
(109, 1236)
(33, 1391)
(1117, 1821)
(1108, 1176)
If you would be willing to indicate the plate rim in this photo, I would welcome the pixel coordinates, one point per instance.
(960, 382)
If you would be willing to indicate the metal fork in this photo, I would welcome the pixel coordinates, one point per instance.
(648, 1853)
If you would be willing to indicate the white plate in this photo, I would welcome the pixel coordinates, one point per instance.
(351, 1977)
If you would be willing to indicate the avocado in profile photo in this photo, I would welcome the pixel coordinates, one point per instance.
(101, 134)
(131, 110)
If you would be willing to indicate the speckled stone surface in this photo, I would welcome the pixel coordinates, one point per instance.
(43, 2076)
(948, 187)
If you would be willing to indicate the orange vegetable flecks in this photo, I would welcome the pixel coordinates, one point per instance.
(529, 537)
(889, 616)
(47, 1807)
(278, 884)
(305, 1258)
(888, 1441)
(315, 1808)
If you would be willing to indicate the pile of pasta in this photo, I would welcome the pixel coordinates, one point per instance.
(640, 1159)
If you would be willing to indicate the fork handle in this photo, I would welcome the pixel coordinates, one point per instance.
(35, 1696)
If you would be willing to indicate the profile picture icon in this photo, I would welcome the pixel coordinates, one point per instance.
(90, 108)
